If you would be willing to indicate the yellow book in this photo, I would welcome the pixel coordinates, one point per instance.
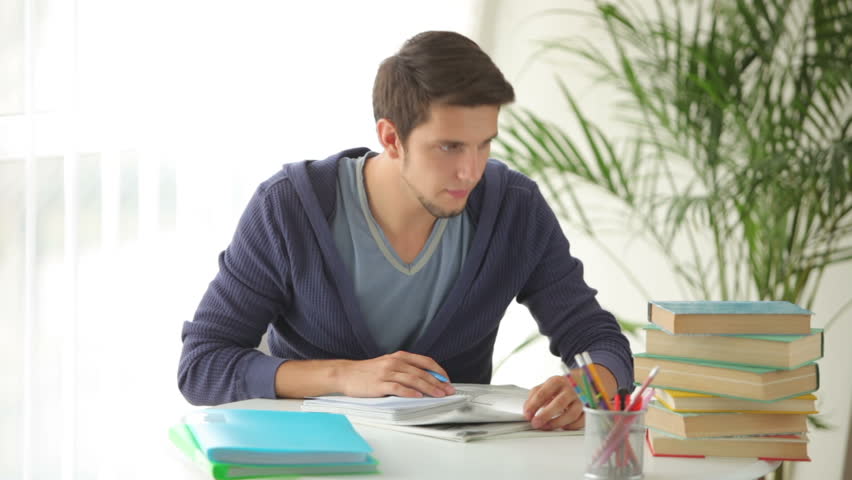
(689, 402)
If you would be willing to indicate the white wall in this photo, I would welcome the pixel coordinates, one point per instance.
(508, 37)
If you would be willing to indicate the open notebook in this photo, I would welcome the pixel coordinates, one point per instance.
(471, 403)
(475, 412)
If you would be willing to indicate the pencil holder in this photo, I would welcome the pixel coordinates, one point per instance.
(613, 444)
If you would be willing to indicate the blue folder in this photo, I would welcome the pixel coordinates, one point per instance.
(181, 437)
(269, 437)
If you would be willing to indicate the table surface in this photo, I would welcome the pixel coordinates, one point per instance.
(408, 456)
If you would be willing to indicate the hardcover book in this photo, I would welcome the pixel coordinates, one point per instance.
(775, 351)
(752, 383)
(731, 318)
(688, 402)
(767, 447)
(707, 424)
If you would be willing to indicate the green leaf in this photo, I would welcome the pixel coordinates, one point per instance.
(739, 137)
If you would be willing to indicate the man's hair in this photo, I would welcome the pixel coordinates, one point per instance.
(436, 68)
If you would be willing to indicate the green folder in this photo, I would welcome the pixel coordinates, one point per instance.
(181, 436)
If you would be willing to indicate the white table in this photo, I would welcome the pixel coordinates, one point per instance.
(406, 456)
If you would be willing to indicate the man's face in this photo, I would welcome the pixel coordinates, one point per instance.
(446, 156)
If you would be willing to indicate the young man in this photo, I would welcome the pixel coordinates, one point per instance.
(371, 269)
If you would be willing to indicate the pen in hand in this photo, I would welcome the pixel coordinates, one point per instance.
(447, 388)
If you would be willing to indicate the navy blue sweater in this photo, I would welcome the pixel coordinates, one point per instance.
(282, 272)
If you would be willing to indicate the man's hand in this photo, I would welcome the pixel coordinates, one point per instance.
(400, 373)
(554, 404)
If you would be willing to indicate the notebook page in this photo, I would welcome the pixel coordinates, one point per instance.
(388, 403)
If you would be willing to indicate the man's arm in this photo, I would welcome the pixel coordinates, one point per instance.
(565, 307)
(220, 363)
(401, 373)
(566, 310)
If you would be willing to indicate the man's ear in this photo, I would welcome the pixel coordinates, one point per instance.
(389, 138)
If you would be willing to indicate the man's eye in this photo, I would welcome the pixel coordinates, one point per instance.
(450, 147)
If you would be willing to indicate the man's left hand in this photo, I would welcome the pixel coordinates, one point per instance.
(554, 404)
(557, 406)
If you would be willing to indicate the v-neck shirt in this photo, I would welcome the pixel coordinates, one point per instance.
(397, 299)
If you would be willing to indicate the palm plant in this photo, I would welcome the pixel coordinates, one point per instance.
(740, 115)
(739, 166)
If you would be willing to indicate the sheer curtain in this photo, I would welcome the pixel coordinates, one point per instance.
(132, 133)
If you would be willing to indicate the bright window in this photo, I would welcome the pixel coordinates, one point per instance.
(132, 134)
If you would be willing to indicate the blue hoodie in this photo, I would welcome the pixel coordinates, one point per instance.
(282, 272)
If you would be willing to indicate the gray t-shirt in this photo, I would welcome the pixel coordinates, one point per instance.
(397, 300)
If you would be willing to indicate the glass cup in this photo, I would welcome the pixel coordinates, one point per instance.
(613, 444)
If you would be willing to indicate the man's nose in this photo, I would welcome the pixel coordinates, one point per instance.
(468, 169)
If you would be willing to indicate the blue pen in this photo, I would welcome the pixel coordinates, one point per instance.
(438, 376)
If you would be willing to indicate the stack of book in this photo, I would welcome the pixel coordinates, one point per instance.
(232, 444)
(735, 379)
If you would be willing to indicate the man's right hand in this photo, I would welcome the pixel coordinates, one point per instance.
(400, 373)
(403, 374)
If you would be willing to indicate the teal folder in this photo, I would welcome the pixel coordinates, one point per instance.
(268, 437)
(182, 438)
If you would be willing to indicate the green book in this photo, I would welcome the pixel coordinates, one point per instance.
(727, 380)
(181, 436)
(730, 318)
(786, 352)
